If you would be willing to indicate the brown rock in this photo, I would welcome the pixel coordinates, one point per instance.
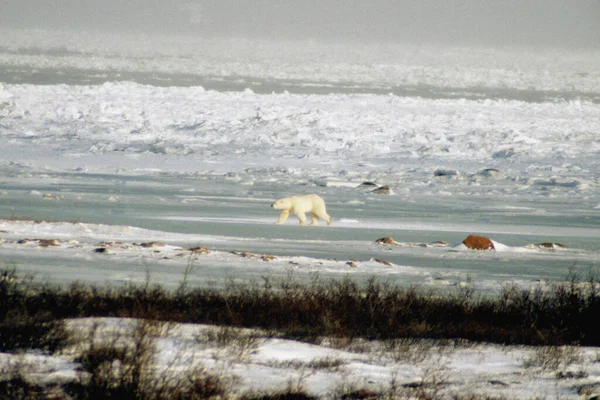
(386, 240)
(199, 250)
(245, 254)
(382, 190)
(478, 243)
(267, 257)
(550, 245)
(384, 262)
(152, 244)
(48, 242)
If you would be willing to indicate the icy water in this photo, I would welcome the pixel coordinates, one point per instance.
(194, 157)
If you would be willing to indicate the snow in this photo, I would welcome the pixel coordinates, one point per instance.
(272, 364)
(149, 146)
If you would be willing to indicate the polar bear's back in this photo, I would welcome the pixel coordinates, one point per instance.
(308, 203)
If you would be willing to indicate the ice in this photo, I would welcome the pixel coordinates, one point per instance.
(308, 130)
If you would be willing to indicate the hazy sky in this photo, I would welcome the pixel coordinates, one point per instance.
(563, 22)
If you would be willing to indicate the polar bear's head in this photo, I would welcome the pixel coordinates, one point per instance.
(282, 204)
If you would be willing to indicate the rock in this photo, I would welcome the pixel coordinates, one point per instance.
(48, 242)
(475, 242)
(245, 254)
(382, 190)
(491, 173)
(386, 240)
(384, 262)
(550, 245)
(439, 243)
(102, 250)
(267, 257)
(367, 184)
(445, 172)
(199, 250)
(152, 244)
(547, 246)
(352, 263)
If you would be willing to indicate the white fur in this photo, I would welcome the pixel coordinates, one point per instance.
(300, 205)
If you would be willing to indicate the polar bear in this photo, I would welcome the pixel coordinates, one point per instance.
(300, 205)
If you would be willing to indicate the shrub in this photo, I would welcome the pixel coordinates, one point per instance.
(340, 309)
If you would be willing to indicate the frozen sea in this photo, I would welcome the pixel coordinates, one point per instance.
(147, 146)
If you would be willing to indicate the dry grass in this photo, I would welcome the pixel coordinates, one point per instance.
(553, 358)
(237, 343)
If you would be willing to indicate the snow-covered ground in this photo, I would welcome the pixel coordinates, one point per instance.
(148, 146)
(410, 369)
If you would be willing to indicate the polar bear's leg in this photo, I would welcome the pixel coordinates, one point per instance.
(302, 217)
(283, 216)
(314, 219)
(324, 216)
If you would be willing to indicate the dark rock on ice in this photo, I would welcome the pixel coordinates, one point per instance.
(152, 244)
(445, 172)
(439, 243)
(491, 173)
(367, 184)
(549, 245)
